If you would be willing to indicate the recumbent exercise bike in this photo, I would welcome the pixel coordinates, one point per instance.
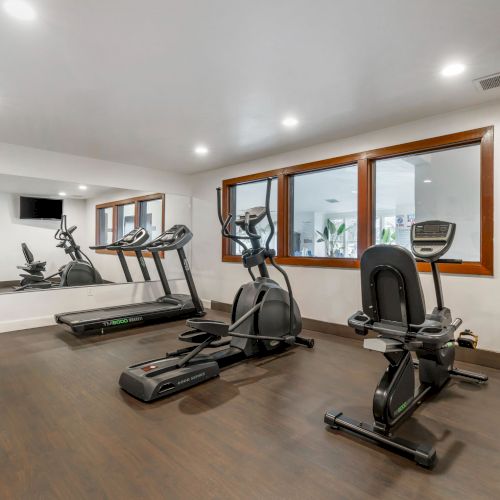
(394, 309)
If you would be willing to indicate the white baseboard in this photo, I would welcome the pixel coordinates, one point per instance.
(26, 323)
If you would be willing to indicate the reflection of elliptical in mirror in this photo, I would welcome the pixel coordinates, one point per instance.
(80, 271)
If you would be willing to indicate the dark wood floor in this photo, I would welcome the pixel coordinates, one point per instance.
(257, 432)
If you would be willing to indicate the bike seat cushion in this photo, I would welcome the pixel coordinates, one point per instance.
(213, 327)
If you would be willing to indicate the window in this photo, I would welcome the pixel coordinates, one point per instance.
(151, 216)
(126, 219)
(117, 218)
(253, 194)
(325, 224)
(105, 226)
(437, 185)
(328, 212)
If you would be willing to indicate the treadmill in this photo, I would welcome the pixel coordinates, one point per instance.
(166, 308)
(132, 241)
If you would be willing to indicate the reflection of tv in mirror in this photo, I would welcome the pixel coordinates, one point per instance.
(40, 208)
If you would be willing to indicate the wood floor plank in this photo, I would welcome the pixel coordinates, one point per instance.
(68, 432)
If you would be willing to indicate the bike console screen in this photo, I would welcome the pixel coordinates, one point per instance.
(431, 239)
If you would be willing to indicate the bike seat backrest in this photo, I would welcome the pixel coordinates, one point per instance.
(27, 253)
(384, 269)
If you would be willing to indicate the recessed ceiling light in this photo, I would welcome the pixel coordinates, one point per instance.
(82, 187)
(453, 69)
(20, 10)
(354, 192)
(201, 150)
(61, 193)
(290, 121)
(427, 181)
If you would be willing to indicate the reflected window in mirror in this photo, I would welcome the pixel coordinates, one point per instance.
(125, 219)
(115, 219)
(105, 226)
(151, 217)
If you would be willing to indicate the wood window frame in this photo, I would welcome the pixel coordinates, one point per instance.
(366, 199)
(127, 201)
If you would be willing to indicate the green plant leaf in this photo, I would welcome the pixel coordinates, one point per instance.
(331, 227)
(341, 229)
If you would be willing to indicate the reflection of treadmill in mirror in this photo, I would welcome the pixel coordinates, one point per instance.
(169, 307)
(132, 241)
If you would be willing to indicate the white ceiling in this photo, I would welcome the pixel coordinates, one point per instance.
(31, 186)
(143, 82)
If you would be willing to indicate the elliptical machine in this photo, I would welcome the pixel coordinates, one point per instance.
(394, 308)
(80, 271)
(262, 321)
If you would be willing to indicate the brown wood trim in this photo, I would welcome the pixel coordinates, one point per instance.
(431, 144)
(366, 195)
(473, 268)
(487, 203)
(318, 262)
(283, 229)
(474, 356)
(480, 357)
(465, 268)
(147, 255)
(220, 306)
(128, 201)
(304, 261)
(366, 199)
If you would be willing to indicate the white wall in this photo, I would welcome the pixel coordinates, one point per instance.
(38, 163)
(333, 294)
(38, 234)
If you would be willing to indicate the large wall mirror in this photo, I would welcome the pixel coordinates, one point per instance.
(60, 234)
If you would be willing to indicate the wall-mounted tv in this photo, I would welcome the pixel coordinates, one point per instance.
(40, 208)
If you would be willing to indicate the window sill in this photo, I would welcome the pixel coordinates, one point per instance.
(467, 268)
(148, 255)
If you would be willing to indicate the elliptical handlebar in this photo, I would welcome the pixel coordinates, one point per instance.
(268, 212)
(225, 223)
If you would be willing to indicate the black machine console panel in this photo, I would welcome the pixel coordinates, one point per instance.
(137, 236)
(431, 239)
(172, 239)
(254, 216)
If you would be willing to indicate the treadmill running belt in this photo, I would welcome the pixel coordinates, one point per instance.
(116, 312)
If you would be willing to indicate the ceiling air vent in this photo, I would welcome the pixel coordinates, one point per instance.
(488, 82)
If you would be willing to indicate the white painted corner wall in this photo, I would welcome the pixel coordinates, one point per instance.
(332, 294)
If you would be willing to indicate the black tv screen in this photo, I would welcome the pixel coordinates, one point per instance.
(40, 208)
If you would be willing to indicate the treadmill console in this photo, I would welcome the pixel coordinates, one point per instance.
(172, 239)
(254, 215)
(137, 236)
(430, 240)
